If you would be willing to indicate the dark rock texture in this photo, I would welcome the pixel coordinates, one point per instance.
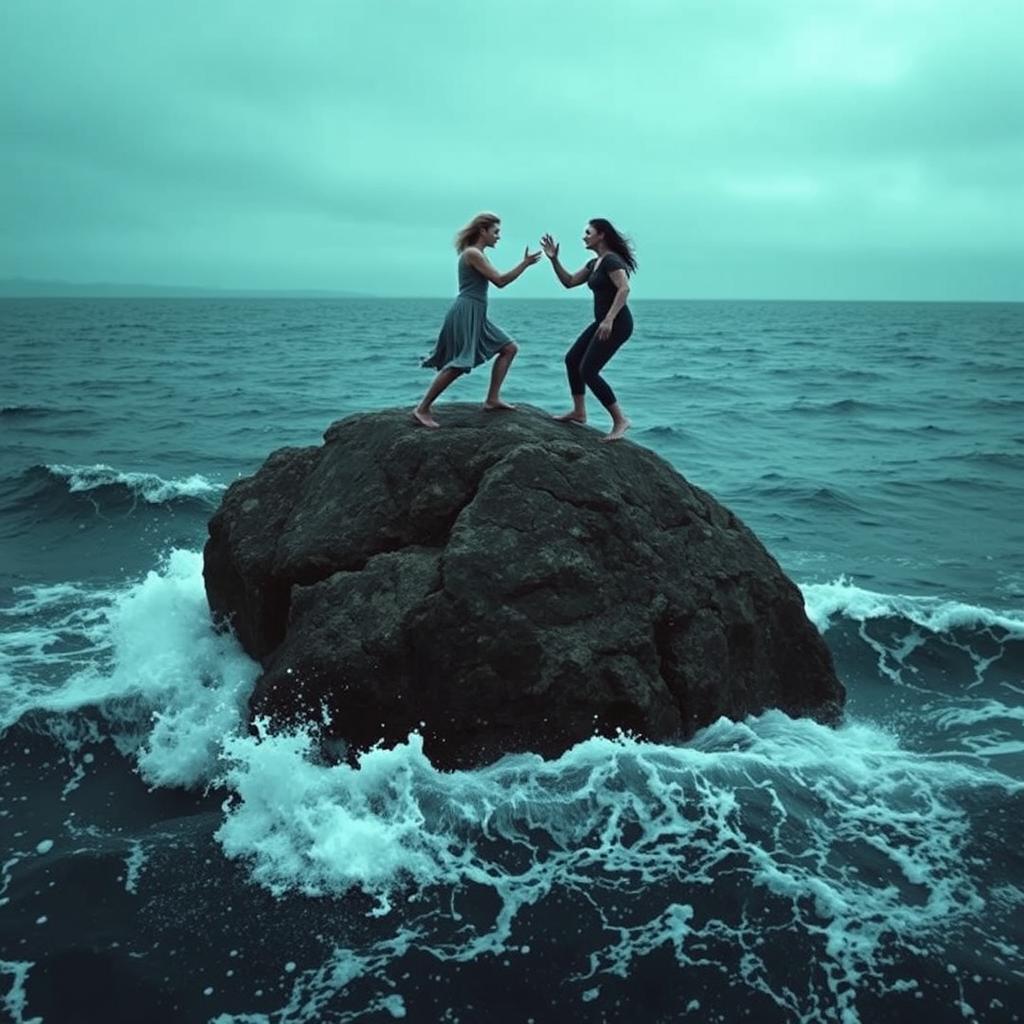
(505, 583)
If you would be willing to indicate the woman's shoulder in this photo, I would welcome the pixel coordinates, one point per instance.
(613, 261)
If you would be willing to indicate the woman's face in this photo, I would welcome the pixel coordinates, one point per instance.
(489, 236)
(591, 236)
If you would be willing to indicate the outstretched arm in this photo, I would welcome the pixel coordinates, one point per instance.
(495, 276)
(550, 247)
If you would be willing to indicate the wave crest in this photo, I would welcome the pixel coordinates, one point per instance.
(826, 601)
(153, 489)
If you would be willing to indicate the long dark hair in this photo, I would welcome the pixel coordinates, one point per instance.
(617, 243)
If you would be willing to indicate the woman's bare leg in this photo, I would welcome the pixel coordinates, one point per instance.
(422, 413)
(578, 413)
(620, 424)
(499, 371)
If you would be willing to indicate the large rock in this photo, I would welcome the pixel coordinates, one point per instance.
(505, 583)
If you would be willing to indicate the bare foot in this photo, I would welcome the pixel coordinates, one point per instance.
(618, 429)
(496, 405)
(424, 419)
(570, 417)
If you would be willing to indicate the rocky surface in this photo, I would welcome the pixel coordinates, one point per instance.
(505, 583)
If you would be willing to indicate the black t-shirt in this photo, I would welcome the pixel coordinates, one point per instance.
(603, 287)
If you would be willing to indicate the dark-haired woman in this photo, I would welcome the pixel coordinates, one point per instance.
(467, 337)
(607, 274)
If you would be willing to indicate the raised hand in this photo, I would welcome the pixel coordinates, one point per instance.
(529, 258)
(550, 247)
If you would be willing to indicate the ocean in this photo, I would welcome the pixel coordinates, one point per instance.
(159, 863)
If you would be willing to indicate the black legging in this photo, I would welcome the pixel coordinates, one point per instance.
(588, 356)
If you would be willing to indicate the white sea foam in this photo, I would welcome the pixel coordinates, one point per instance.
(977, 712)
(48, 633)
(826, 601)
(48, 628)
(148, 658)
(981, 636)
(148, 486)
(133, 866)
(794, 805)
(988, 728)
(14, 1001)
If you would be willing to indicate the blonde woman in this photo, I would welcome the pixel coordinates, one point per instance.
(467, 337)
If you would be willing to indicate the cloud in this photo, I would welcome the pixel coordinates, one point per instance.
(239, 144)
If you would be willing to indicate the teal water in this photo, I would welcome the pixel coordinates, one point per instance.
(767, 870)
(879, 440)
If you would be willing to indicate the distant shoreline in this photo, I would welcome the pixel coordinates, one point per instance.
(27, 288)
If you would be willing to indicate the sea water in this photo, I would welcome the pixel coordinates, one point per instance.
(161, 862)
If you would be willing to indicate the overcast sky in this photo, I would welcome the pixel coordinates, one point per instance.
(775, 149)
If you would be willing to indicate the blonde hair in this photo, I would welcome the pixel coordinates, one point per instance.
(469, 233)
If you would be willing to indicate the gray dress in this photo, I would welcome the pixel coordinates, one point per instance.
(467, 337)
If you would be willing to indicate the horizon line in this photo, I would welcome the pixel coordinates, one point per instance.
(301, 295)
(50, 288)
